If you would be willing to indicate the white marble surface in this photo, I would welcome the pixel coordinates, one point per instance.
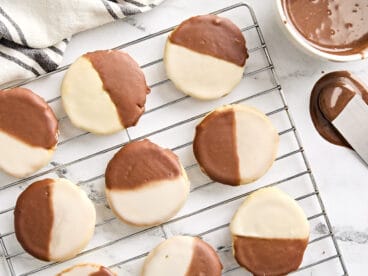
(340, 174)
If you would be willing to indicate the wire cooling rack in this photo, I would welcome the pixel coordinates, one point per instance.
(169, 121)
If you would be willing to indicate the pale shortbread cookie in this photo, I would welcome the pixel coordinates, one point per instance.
(145, 184)
(235, 144)
(270, 233)
(87, 269)
(182, 256)
(205, 56)
(28, 132)
(54, 219)
(104, 92)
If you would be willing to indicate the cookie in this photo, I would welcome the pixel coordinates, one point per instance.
(87, 270)
(182, 256)
(104, 92)
(54, 219)
(270, 233)
(145, 184)
(235, 144)
(205, 56)
(28, 132)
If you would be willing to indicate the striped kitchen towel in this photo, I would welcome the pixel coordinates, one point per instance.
(35, 33)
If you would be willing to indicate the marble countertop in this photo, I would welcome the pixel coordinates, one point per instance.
(340, 175)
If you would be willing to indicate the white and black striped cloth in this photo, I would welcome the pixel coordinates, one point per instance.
(35, 33)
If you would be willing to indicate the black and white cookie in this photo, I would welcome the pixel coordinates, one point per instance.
(54, 219)
(270, 233)
(235, 144)
(104, 92)
(205, 56)
(145, 184)
(28, 132)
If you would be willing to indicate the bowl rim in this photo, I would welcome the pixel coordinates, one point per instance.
(289, 26)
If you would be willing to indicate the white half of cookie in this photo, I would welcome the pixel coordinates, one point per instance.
(201, 76)
(171, 257)
(257, 142)
(151, 204)
(74, 220)
(86, 102)
(20, 159)
(270, 213)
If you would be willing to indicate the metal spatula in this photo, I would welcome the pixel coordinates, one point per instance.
(352, 123)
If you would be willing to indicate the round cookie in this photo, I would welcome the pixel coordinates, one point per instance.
(182, 256)
(87, 270)
(143, 176)
(235, 144)
(205, 56)
(270, 233)
(54, 219)
(28, 132)
(104, 92)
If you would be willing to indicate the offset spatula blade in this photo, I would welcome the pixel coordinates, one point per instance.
(352, 123)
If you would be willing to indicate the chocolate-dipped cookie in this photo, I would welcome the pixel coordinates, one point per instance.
(235, 144)
(54, 219)
(28, 132)
(182, 256)
(87, 269)
(104, 92)
(270, 233)
(145, 184)
(205, 56)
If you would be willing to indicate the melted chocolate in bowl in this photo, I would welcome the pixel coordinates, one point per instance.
(329, 96)
(337, 27)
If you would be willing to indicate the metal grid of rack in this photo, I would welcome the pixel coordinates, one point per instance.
(210, 205)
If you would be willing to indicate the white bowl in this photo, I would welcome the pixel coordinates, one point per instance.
(307, 46)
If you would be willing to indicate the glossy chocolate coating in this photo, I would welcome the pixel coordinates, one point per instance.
(333, 26)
